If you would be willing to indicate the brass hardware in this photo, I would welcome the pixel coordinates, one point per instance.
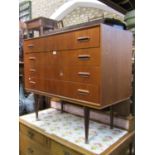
(30, 134)
(32, 58)
(66, 153)
(30, 45)
(30, 150)
(83, 91)
(32, 82)
(84, 74)
(61, 73)
(84, 56)
(54, 52)
(32, 70)
(84, 38)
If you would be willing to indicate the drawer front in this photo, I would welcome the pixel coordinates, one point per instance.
(62, 150)
(79, 91)
(82, 74)
(88, 75)
(85, 38)
(35, 136)
(35, 84)
(29, 147)
(34, 45)
(29, 67)
(36, 70)
(31, 83)
(82, 57)
(84, 92)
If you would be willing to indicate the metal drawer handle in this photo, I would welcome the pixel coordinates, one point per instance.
(32, 58)
(30, 134)
(84, 56)
(66, 153)
(30, 150)
(83, 91)
(32, 70)
(84, 74)
(84, 38)
(32, 82)
(30, 45)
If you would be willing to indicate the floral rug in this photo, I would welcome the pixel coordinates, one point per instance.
(71, 128)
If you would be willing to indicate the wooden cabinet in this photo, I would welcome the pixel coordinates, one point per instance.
(43, 139)
(32, 142)
(90, 66)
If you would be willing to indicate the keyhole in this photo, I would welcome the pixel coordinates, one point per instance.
(61, 74)
(54, 52)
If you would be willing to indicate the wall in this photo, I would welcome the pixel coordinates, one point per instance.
(44, 7)
(81, 14)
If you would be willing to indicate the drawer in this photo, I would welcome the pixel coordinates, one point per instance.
(30, 60)
(82, 74)
(37, 65)
(31, 82)
(62, 150)
(29, 147)
(82, 57)
(34, 136)
(36, 84)
(84, 38)
(84, 92)
(87, 38)
(34, 45)
(29, 65)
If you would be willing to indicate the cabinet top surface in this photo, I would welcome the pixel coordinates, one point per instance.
(68, 29)
(71, 129)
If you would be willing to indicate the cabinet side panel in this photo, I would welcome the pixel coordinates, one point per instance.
(116, 54)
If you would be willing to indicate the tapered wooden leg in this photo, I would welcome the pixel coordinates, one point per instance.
(111, 117)
(37, 100)
(47, 102)
(62, 106)
(41, 30)
(130, 148)
(86, 123)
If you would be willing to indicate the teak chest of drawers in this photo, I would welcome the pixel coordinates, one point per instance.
(89, 66)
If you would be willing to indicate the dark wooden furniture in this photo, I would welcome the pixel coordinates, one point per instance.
(89, 66)
(40, 24)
